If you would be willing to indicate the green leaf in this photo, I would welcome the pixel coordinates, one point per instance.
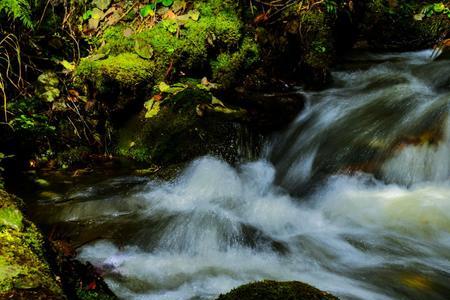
(194, 14)
(67, 65)
(163, 87)
(102, 4)
(172, 90)
(97, 14)
(170, 25)
(179, 5)
(152, 107)
(439, 7)
(143, 49)
(216, 101)
(11, 217)
(167, 3)
(147, 10)
(87, 15)
(419, 17)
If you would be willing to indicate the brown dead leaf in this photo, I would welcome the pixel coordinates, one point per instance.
(157, 97)
(170, 15)
(74, 93)
(261, 18)
(128, 32)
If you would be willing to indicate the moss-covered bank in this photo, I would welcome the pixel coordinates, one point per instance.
(24, 271)
(273, 290)
(32, 268)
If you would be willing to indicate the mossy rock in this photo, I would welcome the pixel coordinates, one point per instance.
(24, 272)
(273, 290)
(126, 69)
(178, 134)
(212, 45)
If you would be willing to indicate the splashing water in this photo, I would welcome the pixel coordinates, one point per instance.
(354, 199)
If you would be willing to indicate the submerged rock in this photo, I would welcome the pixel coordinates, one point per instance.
(273, 290)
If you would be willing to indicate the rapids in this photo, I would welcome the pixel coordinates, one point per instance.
(353, 198)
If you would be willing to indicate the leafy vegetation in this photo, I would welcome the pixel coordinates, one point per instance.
(17, 10)
(432, 9)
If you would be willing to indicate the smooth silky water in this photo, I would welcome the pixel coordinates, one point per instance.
(354, 198)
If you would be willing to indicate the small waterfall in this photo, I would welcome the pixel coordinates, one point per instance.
(353, 198)
(378, 121)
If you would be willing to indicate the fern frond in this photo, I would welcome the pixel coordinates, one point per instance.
(17, 10)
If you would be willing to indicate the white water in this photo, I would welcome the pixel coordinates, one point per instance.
(307, 211)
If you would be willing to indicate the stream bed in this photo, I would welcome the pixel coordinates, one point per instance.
(353, 198)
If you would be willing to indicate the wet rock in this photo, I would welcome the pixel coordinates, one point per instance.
(270, 111)
(273, 290)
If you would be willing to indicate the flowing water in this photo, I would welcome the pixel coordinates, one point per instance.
(354, 198)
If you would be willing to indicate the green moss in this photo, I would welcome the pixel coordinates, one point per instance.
(227, 65)
(126, 69)
(319, 43)
(115, 41)
(218, 31)
(22, 264)
(272, 290)
(213, 7)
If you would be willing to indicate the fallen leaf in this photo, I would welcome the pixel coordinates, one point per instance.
(178, 5)
(143, 48)
(128, 32)
(152, 107)
(163, 87)
(194, 14)
(170, 15)
(102, 4)
(97, 14)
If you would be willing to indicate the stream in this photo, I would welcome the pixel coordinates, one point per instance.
(353, 198)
